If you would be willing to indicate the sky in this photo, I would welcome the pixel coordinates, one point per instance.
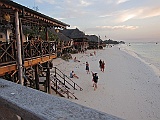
(121, 20)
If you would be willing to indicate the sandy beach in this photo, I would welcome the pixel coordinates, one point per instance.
(128, 88)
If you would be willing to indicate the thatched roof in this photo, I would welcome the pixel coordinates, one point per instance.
(93, 38)
(73, 33)
(62, 37)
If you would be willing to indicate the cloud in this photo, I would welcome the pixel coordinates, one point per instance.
(135, 13)
(121, 1)
(125, 15)
(85, 3)
(139, 13)
(124, 27)
(67, 2)
(82, 8)
(44, 1)
(108, 15)
(112, 28)
(150, 12)
(67, 8)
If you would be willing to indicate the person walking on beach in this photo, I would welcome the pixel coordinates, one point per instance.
(95, 80)
(102, 66)
(87, 68)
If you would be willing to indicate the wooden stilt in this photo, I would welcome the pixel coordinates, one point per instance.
(48, 78)
(45, 86)
(37, 77)
(19, 57)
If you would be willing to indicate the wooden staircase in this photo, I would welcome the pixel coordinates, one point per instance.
(62, 84)
(60, 88)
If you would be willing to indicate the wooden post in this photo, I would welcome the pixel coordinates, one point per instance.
(55, 72)
(22, 43)
(45, 86)
(49, 48)
(48, 78)
(46, 33)
(37, 77)
(41, 48)
(19, 57)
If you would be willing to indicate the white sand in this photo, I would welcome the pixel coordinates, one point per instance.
(128, 88)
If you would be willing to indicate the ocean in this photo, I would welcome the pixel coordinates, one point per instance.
(148, 52)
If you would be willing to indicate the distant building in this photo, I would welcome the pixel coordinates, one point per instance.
(80, 41)
(64, 44)
(95, 42)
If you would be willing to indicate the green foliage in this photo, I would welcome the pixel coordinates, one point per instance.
(74, 51)
(52, 36)
(66, 56)
(35, 31)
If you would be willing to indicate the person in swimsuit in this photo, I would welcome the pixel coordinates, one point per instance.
(87, 68)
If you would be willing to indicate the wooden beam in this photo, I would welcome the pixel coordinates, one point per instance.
(9, 68)
(27, 63)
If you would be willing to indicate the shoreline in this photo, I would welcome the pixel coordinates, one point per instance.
(132, 53)
(128, 88)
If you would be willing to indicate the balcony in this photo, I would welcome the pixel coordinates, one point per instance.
(33, 52)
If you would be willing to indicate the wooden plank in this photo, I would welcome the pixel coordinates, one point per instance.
(8, 68)
(31, 62)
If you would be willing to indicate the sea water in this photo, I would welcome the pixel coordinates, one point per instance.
(147, 51)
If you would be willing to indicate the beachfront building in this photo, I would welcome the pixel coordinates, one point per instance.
(79, 38)
(64, 44)
(95, 42)
(26, 45)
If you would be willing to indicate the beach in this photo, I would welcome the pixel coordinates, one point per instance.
(128, 88)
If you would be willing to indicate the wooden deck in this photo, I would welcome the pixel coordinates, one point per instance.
(27, 63)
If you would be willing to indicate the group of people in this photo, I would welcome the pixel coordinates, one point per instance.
(94, 75)
(101, 65)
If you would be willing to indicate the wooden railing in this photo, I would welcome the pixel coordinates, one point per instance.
(60, 83)
(7, 52)
(65, 79)
(30, 49)
(37, 48)
(61, 88)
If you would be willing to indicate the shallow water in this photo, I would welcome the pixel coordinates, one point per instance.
(149, 52)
